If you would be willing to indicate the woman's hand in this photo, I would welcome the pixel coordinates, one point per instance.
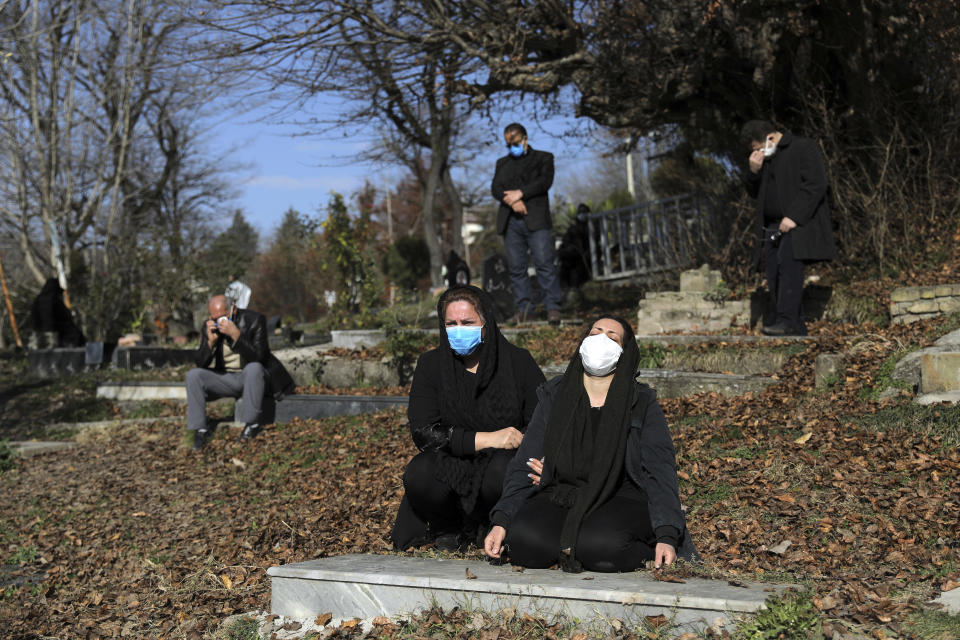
(508, 438)
(493, 543)
(537, 467)
(664, 554)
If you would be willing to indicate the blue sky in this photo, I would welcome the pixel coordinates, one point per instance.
(281, 168)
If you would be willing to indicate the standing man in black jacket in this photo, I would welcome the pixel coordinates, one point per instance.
(520, 185)
(788, 179)
(233, 361)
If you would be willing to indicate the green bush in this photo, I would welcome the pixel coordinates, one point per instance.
(790, 617)
(652, 355)
(404, 346)
(6, 456)
(407, 262)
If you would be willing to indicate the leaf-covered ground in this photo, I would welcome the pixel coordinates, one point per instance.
(131, 535)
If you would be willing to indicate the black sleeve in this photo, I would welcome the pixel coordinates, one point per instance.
(252, 345)
(497, 187)
(429, 431)
(203, 354)
(651, 464)
(517, 486)
(813, 183)
(752, 181)
(540, 184)
(529, 379)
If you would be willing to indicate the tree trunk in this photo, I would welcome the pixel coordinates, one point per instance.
(456, 207)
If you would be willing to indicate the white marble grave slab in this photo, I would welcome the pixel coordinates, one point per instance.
(366, 586)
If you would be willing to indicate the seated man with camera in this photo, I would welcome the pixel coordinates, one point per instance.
(234, 361)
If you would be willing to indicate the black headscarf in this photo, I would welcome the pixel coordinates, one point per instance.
(581, 482)
(487, 401)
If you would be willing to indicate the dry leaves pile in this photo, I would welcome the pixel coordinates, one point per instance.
(130, 535)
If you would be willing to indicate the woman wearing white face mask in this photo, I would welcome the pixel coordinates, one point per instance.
(604, 495)
(470, 402)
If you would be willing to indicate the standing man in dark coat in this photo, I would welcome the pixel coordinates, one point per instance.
(788, 179)
(520, 185)
(233, 361)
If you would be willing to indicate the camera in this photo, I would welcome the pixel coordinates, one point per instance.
(775, 236)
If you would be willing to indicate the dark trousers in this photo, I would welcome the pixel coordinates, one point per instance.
(431, 507)
(785, 281)
(517, 240)
(207, 384)
(616, 536)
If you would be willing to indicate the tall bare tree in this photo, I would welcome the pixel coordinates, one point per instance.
(97, 142)
(403, 91)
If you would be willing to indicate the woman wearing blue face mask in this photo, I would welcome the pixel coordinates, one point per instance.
(470, 402)
(604, 495)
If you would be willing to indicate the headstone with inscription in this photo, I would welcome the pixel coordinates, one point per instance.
(496, 282)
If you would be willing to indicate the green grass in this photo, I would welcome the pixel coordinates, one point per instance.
(845, 306)
(6, 456)
(145, 409)
(790, 617)
(243, 629)
(934, 625)
(23, 555)
(942, 421)
(652, 355)
(884, 378)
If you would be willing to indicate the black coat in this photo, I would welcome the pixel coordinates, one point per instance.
(252, 345)
(431, 429)
(649, 463)
(532, 173)
(801, 181)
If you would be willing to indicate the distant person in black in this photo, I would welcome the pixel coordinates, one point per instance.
(520, 184)
(605, 495)
(50, 315)
(789, 181)
(574, 252)
(470, 402)
(458, 271)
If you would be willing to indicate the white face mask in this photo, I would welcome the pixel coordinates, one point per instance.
(599, 354)
(769, 148)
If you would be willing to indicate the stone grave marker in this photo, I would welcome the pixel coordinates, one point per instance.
(496, 282)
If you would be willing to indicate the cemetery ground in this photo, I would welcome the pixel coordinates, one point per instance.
(854, 499)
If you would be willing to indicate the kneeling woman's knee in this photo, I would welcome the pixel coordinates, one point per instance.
(530, 546)
(420, 482)
(610, 549)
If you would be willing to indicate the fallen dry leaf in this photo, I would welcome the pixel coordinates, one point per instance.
(803, 439)
(470, 574)
(322, 619)
(781, 548)
(657, 621)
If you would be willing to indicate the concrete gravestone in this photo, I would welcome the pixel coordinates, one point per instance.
(496, 282)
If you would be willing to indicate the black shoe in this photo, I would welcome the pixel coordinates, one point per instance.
(200, 439)
(250, 432)
(554, 316)
(778, 329)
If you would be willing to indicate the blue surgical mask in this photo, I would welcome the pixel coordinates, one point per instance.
(516, 150)
(464, 340)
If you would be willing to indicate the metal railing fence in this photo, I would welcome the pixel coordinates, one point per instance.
(647, 238)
